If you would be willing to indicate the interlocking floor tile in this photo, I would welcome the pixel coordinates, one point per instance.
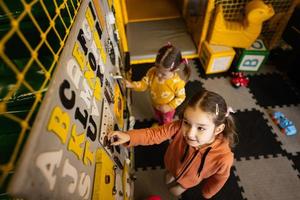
(273, 90)
(230, 191)
(255, 136)
(268, 178)
(237, 98)
(149, 156)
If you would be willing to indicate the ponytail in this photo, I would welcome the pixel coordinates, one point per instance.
(230, 131)
(186, 70)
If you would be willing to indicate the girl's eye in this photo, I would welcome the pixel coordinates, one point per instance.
(185, 122)
(200, 129)
(161, 74)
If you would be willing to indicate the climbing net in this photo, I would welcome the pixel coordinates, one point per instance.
(32, 36)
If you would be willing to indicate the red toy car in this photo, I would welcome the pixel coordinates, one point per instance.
(239, 79)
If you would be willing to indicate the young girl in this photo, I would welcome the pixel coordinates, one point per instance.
(201, 146)
(166, 87)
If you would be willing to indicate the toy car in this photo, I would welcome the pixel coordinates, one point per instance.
(239, 79)
(286, 126)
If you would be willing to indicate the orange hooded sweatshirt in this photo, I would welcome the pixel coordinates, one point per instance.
(185, 162)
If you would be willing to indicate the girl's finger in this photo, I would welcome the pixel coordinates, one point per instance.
(112, 134)
(118, 142)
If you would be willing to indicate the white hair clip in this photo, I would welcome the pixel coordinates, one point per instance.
(229, 110)
(217, 109)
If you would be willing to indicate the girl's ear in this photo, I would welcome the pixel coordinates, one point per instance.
(219, 129)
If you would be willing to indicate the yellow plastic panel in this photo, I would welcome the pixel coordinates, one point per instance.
(121, 25)
(125, 182)
(124, 11)
(146, 10)
(152, 60)
(205, 27)
(104, 177)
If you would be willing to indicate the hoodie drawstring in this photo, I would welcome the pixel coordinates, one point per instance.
(186, 150)
(203, 160)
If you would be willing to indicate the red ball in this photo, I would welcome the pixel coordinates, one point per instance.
(154, 197)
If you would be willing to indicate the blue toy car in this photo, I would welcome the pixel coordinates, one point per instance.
(285, 125)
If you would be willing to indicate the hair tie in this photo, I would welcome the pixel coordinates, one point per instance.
(229, 110)
(169, 44)
(185, 61)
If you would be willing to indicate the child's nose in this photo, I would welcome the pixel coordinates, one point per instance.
(190, 132)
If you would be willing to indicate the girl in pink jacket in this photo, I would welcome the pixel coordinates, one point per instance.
(200, 149)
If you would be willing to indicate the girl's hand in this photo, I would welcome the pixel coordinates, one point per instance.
(128, 84)
(165, 108)
(118, 137)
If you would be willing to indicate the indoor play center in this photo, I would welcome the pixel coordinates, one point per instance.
(62, 65)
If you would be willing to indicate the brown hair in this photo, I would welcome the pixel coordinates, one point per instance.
(214, 104)
(170, 57)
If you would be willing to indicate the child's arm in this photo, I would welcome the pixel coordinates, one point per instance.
(118, 137)
(143, 84)
(147, 136)
(138, 86)
(213, 184)
(179, 95)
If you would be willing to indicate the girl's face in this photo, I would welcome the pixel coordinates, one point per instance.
(198, 127)
(163, 73)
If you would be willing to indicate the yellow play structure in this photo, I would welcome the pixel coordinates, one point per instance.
(240, 34)
(146, 25)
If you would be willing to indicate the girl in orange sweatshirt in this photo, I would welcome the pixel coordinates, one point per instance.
(200, 149)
